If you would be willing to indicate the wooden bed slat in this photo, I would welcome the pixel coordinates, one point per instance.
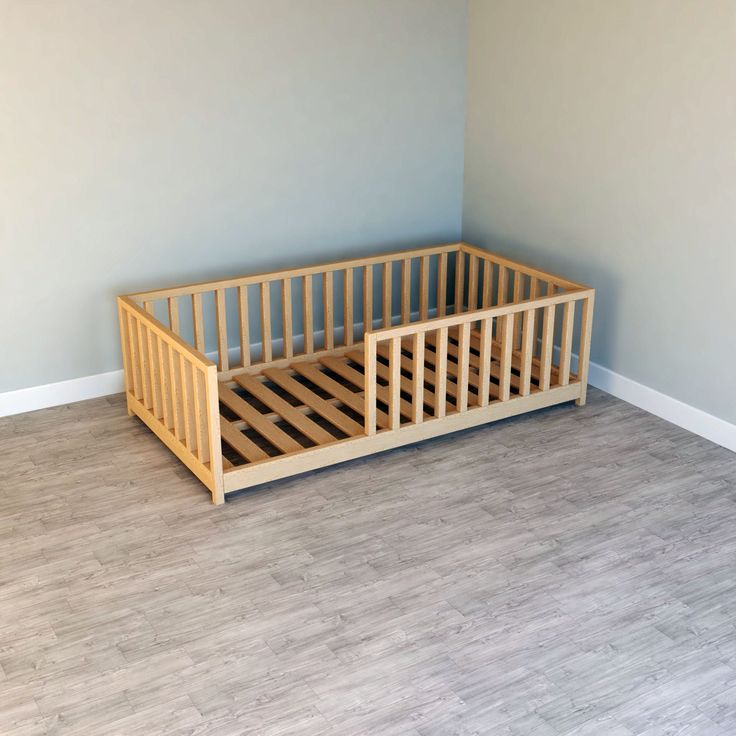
(340, 367)
(276, 436)
(244, 446)
(299, 391)
(355, 400)
(282, 407)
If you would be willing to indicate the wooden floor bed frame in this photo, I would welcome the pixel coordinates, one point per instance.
(406, 346)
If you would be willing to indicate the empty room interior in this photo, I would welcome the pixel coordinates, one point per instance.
(367, 367)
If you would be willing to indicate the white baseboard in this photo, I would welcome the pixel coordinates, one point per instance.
(673, 410)
(683, 415)
(62, 392)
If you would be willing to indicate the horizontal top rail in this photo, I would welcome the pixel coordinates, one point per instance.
(258, 278)
(193, 355)
(476, 315)
(517, 266)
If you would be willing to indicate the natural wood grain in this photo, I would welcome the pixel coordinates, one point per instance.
(223, 364)
(328, 310)
(285, 410)
(244, 325)
(286, 319)
(333, 415)
(348, 307)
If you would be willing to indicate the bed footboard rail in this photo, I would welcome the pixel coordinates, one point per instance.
(173, 389)
(500, 360)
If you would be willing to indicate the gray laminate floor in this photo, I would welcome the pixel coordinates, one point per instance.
(568, 572)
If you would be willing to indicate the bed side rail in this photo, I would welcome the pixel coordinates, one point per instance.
(173, 389)
(484, 279)
(276, 317)
(468, 360)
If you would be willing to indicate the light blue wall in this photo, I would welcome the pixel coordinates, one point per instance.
(601, 144)
(144, 144)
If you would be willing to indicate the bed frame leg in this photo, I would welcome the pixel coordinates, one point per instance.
(583, 395)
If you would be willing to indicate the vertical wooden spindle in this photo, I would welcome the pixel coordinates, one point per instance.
(527, 352)
(154, 374)
(125, 347)
(506, 353)
(440, 368)
(244, 324)
(424, 288)
(473, 283)
(545, 360)
(370, 385)
(503, 279)
(213, 435)
(463, 366)
(163, 373)
(459, 281)
(197, 415)
(149, 307)
(568, 319)
(186, 403)
(586, 331)
(484, 379)
(518, 297)
(308, 314)
(367, 298)
(286, 324)
(266, 348)
(176, 398)
(442, 285)
(135, 356)
(387, 293)
(394, 386)
(348, 307)
(143, 356)
(328, 311)
(223, 359)
(173, 307)
(418, 378)
(198, 322)
(406, 291)
(487, 283)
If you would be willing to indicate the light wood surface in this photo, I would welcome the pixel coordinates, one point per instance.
(236, 425)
